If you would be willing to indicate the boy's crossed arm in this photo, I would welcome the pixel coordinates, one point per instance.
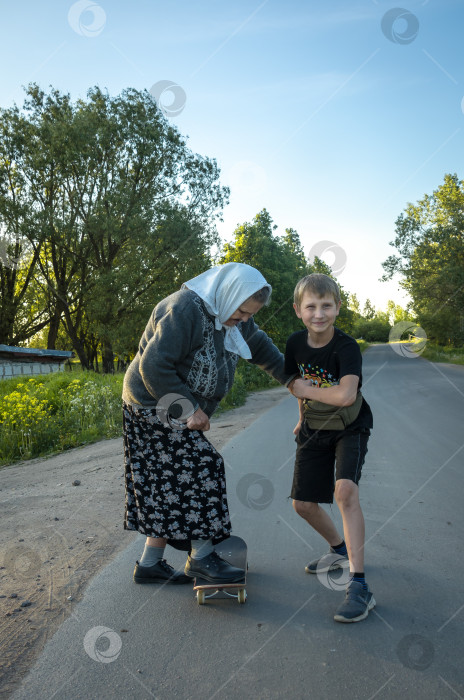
(343, 394)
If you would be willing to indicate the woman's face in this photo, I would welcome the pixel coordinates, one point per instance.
(245, 311)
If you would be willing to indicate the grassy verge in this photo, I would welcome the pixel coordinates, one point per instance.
(440, 353)
(50, 413)
(248, 378)
(44, 415)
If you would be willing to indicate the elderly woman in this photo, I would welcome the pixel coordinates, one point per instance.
(185, 365)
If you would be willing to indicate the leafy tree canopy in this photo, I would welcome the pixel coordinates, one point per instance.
(430, 257)
(113, 210)
(282, 261)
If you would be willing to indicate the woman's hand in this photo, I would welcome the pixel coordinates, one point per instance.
(297, 427)
(198, 421)
(298, 388)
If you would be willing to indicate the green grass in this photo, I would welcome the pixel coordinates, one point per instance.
(363, 345)
(248, 378)
(440, 353)
(47, 414)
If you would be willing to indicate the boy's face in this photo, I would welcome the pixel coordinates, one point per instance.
(317, 313)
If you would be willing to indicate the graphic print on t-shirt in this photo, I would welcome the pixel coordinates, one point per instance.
(317, 375)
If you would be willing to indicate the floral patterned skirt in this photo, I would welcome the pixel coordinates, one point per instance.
(175, 481)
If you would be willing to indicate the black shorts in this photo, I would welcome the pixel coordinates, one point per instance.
(317, 453)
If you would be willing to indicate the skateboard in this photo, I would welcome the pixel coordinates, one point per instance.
(234, 551)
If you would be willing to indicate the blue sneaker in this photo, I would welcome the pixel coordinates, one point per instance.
(356, 605)
(328, 562)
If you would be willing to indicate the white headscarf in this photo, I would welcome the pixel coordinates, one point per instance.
(223, 289)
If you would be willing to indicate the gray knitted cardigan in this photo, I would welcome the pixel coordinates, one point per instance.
(182, 353)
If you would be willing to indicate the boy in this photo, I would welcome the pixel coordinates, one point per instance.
(333, 430)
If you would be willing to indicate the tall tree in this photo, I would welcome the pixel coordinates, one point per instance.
(395, 313)
(17, 223)
(430, 244)
(368, 310)
(282, 262)
(113, 204)
(354, 304)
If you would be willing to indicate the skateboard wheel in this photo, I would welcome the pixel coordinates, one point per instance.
(241, 595)
(200, 597)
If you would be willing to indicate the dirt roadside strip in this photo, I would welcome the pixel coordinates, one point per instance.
(62, 521)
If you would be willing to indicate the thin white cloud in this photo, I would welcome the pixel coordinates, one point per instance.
(304, 20)
(311, 21)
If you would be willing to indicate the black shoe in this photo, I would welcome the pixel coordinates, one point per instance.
(214, 569)
(158, 573)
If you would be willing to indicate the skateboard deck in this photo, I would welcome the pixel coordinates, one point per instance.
(234, 551)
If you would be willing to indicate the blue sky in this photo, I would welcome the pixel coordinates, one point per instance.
(332, 116)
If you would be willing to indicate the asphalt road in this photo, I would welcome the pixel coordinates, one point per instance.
(284, 643)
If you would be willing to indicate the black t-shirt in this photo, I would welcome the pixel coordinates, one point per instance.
(327, 365)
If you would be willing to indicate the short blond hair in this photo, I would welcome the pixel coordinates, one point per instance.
(317, 283)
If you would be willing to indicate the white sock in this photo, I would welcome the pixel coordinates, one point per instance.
(151, 555)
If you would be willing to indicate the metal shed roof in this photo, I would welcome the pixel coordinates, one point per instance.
(32, 354)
